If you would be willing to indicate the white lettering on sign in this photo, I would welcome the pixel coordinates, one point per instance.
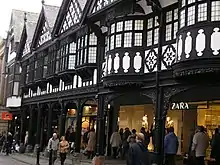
(180, 106)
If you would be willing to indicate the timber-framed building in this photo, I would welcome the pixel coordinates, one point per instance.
(109, 63)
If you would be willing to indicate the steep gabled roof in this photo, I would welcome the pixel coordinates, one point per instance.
(17, 22)
(45, 25)
(29, 27)
(70, 14)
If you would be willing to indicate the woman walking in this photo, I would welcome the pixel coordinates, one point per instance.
(63, 148)
(91, 143)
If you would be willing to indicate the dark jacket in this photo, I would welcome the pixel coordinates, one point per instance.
(171, 144)
(138, 154)
(215, 153)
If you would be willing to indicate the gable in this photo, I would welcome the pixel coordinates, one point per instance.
(73, 15)
(27, 48)
(44, 35)
(100, 4)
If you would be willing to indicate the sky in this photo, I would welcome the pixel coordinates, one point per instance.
(26, 5)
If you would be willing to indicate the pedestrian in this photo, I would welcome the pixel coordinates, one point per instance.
(215, 144)
(26, 139)
(63, 148)
(146, 136)
(171, 145)
(200, 145)
(9, 142)
(53, 145)
(138, 153)
(91, 143)
(115, 142)
(132, 138)
(125, 144)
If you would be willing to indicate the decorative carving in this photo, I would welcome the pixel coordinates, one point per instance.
(126, 62)
(179, 48)
(118, 83)
(116, 62)
(200, 42)
(188, 45)
(169, 56)
(215, 46)
(195, 71)
(109, 63)
(151, 93)
(137, 62)
(150, 60)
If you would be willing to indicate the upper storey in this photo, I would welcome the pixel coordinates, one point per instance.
(198, 38)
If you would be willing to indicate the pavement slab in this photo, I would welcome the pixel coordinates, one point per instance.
(7, 160)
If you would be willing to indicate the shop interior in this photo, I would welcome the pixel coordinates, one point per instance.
(184, 117)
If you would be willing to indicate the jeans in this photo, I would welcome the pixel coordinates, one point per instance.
(170, 159)
(115, 152)
(200, 160)
(62, 158)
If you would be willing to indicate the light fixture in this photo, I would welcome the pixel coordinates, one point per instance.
(109, 106)
(16, 117)
(28, 117)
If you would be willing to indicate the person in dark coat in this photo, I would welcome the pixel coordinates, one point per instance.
(146, 136)
(138, 153)
(125, 143)
(215, 144)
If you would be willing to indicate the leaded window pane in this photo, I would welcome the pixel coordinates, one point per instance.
(202, 12)
(156, 35)
(119, 26)
(72, 61)
(150, 23)
(72, 47)
(128, 25)
(139, 25)
(191, 15)
(175, 30)
(169, 16)
(216, 11)
(138, 39)
(149, 38)
(92, 39)
(92, 55)
(190, 1)
(112, 28)
(127, 39)
(182, 18)
(168, 32)
(118, 41)
(112, 42)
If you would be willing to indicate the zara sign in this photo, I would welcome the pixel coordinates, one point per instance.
(179, 106)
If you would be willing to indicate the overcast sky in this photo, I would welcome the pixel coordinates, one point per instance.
(26, 5)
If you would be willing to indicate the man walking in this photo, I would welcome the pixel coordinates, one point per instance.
(53, 145)
(171, 145)
(200, 145)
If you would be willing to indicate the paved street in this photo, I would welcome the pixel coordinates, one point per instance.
(7, 160)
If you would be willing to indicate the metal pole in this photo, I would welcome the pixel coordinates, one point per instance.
(38, 155)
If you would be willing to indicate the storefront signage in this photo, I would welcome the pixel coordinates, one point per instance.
(179, 106)
(6, 116)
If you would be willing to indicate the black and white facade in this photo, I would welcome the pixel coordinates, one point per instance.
(94, 57)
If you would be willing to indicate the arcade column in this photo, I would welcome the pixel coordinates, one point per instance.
(79, 126)
(29, 147)
(62, 120)
(100, 140)
(39, 125)
(49, 124)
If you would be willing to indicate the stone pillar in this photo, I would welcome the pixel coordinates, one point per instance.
(39, 125)
(29, 147)
(100, 140)
(49, 124)
(79, 126)
(22, 126)
(62, 119)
